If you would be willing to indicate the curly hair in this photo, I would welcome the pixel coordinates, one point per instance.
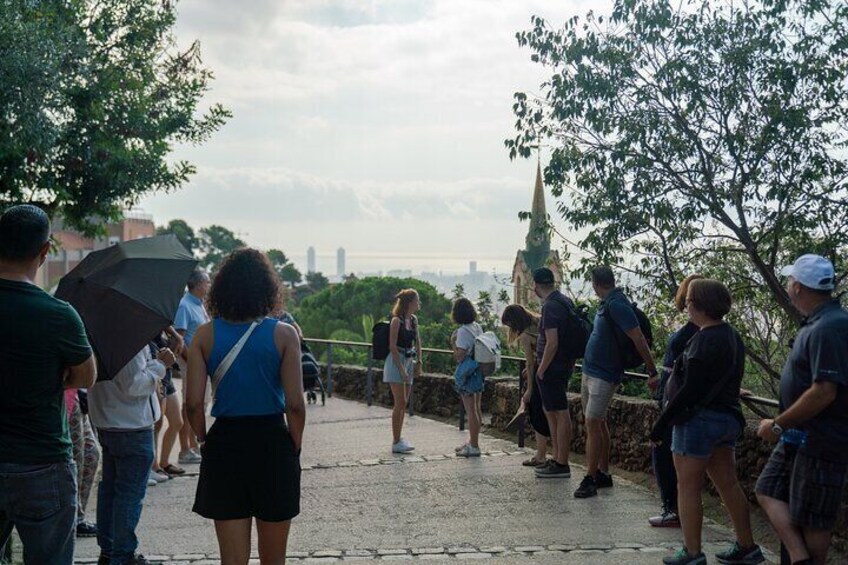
(245, 287)
(463, 311)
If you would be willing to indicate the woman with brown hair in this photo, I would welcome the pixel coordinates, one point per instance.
(403, 363)
(524, 330)
(704, 409)
(462, 343)
(254, 361)
(662, 460)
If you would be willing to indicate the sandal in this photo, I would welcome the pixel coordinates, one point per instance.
(173, 470)
(532, 462)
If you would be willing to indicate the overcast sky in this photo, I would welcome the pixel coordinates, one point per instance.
(373, 125)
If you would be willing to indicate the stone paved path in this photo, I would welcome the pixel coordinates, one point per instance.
(360, 503)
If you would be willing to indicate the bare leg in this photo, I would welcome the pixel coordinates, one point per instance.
(563, 446)
(781, 521)
(398, 409)
(157, 427)
(473, 422)
(722, 471)
(173, 412)
(233, 541)
(818, 542)
(552, 424)
(541, 447)
(603, 460)
(594, 445)
(691, 473)
(273, 538)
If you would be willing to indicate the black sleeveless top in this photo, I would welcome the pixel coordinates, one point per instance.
(406, 338)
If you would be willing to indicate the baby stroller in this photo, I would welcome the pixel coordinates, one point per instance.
(311, 375)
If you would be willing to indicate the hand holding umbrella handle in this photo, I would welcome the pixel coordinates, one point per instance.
(166, 356)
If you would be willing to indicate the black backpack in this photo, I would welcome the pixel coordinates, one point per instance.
(576, 330)
(380, 340)
(630, 358)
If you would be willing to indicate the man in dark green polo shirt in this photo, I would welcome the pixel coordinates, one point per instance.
(801, 486)
(43, 350)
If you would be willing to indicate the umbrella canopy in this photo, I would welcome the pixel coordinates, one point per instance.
(127, 294)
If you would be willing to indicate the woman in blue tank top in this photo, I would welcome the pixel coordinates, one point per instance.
(258, 408)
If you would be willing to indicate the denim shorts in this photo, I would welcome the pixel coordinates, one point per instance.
(707, 430)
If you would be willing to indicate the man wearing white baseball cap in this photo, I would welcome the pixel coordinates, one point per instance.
(801, 486)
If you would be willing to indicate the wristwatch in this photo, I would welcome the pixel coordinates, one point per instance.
(776, 428)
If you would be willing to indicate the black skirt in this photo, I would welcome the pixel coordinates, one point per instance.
(538, 420)
(250, 468)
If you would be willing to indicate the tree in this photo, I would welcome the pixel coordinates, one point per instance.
(458, 291)
(184, 232)
(486, 311)
(697, 136)
(317, 281)
(285, 269)
(216, 242)
(95, 95)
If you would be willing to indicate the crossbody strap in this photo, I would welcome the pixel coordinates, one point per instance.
(230, 357)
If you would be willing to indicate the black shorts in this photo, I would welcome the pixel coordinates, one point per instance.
(250, 468)
(554, 390)
(811, 486)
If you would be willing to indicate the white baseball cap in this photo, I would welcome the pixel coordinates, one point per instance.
(812, 271)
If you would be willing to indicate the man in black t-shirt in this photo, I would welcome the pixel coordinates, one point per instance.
(553, 371)
(801, 486)
(43, 350)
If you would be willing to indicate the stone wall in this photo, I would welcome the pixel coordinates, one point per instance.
(630, 422)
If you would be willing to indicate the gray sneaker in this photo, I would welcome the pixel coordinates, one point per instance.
(189, 458)
(553, 470)
(737, 555)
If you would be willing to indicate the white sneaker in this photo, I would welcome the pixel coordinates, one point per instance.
(402, 446)
(151, 482)
(469, 451)
(158, 477)
(189, 457)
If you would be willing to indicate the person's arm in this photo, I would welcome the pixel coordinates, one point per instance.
(551, 346)
(808, 406)
(695, 386)
(460, 352)
(83, 375)
(291, 376)
(196, 377)
(176, 339)
(419, 359)
(624, 317)
(529, 364)
(394, 330)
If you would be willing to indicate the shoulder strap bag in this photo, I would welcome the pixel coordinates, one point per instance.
(230, 357)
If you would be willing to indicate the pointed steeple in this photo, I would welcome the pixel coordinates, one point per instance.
(538, 242)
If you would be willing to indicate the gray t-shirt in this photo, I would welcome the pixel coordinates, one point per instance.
(820, 353)
(466, 334)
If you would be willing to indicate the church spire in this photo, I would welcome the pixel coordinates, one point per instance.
(538, 243)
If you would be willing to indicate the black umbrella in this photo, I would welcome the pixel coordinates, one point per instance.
(127, 294)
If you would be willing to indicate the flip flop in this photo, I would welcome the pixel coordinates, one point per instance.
(172, 469)
(532, 462)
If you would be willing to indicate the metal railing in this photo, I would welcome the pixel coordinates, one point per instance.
(757, 404)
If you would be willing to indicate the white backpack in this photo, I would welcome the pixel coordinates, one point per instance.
(487, 353)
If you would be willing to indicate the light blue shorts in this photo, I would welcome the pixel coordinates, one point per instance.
(706, 431)
(391, 373)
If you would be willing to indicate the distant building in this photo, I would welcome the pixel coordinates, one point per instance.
(340, 263)
(310, 260)
(472, 268)
(72, 247)
(537, 249)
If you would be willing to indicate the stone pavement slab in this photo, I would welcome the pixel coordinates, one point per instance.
(360, 502)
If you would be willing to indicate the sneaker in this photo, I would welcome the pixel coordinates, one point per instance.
(158, 477)
(587, 488)
(402, 446)
(603, 480)
(459, 448)
(189, 457)
(682, 557)
(138, 559)
(553, 470)
(736, 555)
(469, 451)
(151, 482)
(86, 529)
(667, 519)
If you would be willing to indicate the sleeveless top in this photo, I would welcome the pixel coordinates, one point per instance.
(252, 386)
(406, 338)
